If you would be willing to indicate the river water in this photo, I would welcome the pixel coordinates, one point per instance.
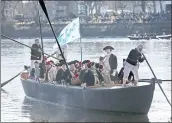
(15, 107)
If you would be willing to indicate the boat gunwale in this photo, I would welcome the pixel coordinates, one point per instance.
(91, 88)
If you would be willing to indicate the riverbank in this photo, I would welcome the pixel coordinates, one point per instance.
(91, 30)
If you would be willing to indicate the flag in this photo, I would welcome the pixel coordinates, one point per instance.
(70, 33)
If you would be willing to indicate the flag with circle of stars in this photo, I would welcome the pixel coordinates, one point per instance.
(70, 33)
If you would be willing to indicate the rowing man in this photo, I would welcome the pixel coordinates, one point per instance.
(131, 64)
(35, 53)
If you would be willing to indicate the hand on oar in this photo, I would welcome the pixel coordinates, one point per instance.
(6, 82)
(157, 80)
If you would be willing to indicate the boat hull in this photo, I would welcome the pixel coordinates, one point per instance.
(130, 99)
(138, 38)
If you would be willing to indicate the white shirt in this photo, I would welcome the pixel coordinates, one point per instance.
(106, 63)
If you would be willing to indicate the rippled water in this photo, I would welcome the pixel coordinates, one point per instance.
(15, 107)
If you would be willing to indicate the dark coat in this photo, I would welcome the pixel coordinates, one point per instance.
(113, 65)
(134, 56)
(35, 54)
(60, 76)
(100, 77)
(89, 78)
(113, 62)
(42, 70)
(81, 75)
(67, 76)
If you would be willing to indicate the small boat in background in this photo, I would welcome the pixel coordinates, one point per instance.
(142, 36)
(164, 36)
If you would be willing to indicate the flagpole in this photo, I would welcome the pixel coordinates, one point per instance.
(80, 40)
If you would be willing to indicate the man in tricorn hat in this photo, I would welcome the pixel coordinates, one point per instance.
(131, 64)
(110, 65)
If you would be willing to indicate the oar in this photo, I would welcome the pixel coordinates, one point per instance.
(162, 80)
(157, 80)
(26, 45)
(6, 82)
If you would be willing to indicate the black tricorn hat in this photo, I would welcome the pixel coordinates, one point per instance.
(58, 64)
(85, 61)
(76, 61)
(72, 62)
(108, 47)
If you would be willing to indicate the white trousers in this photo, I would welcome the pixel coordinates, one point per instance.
(127, 68)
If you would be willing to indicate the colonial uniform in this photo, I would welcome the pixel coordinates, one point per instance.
(110, 66)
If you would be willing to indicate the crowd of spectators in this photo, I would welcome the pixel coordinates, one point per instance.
(117, 18)
(123, 18)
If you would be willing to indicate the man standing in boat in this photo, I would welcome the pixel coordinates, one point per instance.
(131, 64)
(110, 65)
(35, 53)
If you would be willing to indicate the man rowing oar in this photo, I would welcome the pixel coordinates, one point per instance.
(35, 53)
(131, 64)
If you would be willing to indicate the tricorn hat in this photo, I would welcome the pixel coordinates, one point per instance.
(108, 47)
(86, 61)
(58, 64)
(70, 63)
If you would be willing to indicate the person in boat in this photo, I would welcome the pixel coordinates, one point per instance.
(42, 69)
(88, 76)
(32, 73)
(83, 69)
(131, 64)
(99, 75)
(60, 72)
(74, 77)
(121, 74)
(50, 73)
(109, 65)
(37, 71)
(101, 60)
(35, 53)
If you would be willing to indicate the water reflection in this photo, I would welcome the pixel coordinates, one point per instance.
(40, 111)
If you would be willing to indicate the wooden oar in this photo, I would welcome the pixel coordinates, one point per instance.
(157, 80)
(26, 45)
(160, 80)
(6, 82)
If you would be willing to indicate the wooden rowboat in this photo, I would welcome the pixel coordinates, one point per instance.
(112, 98)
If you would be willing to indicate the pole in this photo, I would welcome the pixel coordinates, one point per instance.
(157, 80)
(81, 49)
(40, 29)
(42, 4)
(80, 40)
(41, 37)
